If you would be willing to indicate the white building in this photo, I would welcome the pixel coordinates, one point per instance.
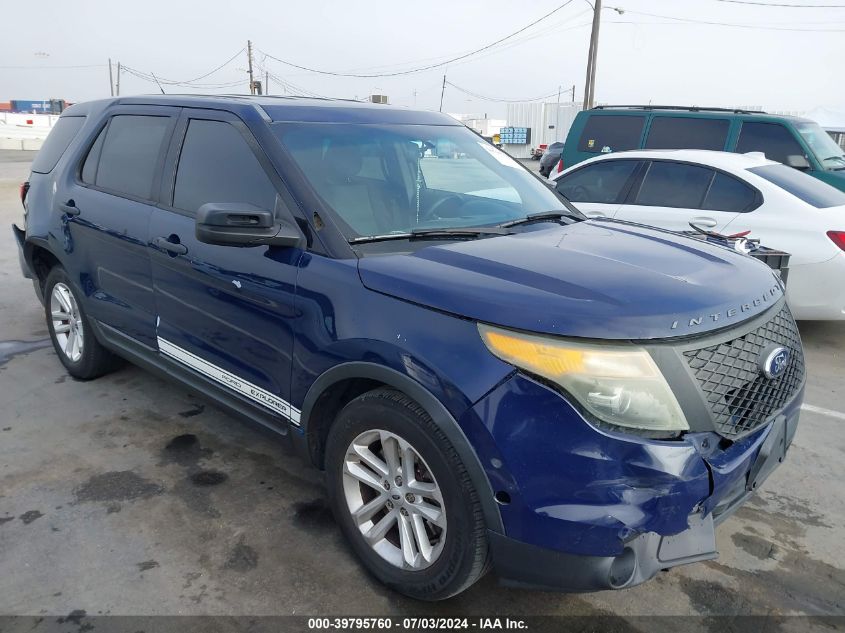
(548, 122)
(480, 123)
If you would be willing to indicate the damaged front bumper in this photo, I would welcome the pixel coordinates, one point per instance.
(589, 510)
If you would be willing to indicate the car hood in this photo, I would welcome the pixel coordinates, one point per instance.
(596, 279)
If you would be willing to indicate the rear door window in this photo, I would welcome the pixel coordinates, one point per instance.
(773, 139)
(727, 193)
(611, 133)
(671, 132)
(668, 184)
(60, 137)
(601, 182)
(130, 154)
(217, 165)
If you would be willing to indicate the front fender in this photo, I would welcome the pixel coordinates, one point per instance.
(438, 412)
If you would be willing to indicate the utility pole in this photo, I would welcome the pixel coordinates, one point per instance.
(573, 93)
(266, 82)
(249, 62)
(111, 79)
(589, 86)
(442, 92)
(117, 84)
(557, 113)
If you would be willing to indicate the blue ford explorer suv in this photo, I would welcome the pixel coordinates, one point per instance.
(486, 378)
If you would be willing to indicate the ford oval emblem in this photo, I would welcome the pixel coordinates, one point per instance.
(773, 361)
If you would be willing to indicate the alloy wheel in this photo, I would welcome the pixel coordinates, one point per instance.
(394, 500)
(67, 322)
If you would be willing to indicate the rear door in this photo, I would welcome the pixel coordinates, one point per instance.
(687, 132)
(599, 188)
(108, 206)
(225, 312)
(671, 195)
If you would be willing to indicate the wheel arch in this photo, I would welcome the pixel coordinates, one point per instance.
(340, 384)
(41, 260)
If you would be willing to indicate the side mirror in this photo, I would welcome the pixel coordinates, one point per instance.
(242, 224)
(797, 161)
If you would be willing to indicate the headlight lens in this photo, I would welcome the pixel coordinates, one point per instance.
(620, 385)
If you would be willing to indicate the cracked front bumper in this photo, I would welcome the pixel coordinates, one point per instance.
(589, 509)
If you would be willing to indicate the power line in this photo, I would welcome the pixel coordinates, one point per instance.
(211, 72)
(287, 85)
(149, 77)
(53, 67)
(422, 68)
(785, 5)
(498, 100)
(729, 24)
(187, 82)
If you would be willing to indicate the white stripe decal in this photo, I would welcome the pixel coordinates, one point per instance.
(828, 412)
(259, 395)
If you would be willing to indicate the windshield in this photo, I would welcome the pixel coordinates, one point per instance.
(383, 179)
(811, 190)
(830, 155)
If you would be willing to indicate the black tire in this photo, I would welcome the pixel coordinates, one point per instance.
(94, 360)
(464, 558)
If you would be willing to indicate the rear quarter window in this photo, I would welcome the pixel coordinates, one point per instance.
(812, 191)
(59, 139)
(611, 133)
(672, 132)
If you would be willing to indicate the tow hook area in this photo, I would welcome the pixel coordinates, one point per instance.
(647, 554)
(524, 565)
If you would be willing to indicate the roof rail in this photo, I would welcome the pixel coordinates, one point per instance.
(677, 108)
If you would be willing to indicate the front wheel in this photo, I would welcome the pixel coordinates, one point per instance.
(403, 497)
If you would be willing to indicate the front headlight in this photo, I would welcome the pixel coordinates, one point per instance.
(618, 384)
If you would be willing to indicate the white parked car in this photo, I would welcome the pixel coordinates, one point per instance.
(728, 193)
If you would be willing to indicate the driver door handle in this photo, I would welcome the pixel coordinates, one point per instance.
(174, 248)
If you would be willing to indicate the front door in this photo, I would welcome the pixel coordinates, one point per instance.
(225, 312)
(597, 189)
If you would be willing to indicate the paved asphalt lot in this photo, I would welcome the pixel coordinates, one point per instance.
(127, 495)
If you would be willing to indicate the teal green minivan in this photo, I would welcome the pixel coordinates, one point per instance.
(799, 143)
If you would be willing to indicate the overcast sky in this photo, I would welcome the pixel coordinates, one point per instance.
(642, 58)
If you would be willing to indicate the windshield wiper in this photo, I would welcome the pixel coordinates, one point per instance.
(466, 232)
(547, 216)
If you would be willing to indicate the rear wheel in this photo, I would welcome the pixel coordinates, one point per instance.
(77, 348)
(403, 497)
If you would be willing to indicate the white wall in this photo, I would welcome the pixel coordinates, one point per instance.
(16, 131)
(539, 116)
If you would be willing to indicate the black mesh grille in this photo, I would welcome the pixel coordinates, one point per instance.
(740, 397)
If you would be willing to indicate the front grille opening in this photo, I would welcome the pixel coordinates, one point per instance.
(739, 397)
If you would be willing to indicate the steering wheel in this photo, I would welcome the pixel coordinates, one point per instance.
(431, 213)
(578, 193)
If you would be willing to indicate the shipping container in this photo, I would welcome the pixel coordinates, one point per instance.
(46, 106)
